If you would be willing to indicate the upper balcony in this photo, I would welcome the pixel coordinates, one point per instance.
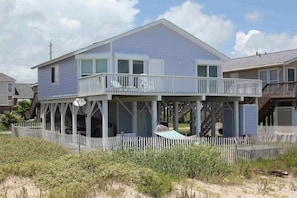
(140, 84)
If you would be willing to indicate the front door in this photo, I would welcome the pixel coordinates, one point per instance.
(156, 68)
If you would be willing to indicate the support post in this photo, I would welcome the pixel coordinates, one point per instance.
(175, 122)
(105, 124)
(213, 119)
(198, 118)
(53, 110)
(236, 118)
(159, 111)
(154, 114)
(62, 115)
(43, 116)
(88, 116)
(134, 117)
(74, 123)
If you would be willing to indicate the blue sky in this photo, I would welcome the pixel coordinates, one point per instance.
(235, 27)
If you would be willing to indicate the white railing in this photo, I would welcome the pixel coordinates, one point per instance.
(136, 84)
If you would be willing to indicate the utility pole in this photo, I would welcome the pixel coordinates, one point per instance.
(51, 50)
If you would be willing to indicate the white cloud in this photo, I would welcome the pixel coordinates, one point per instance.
(28, 26)
(212, 29)
(257, 41)
(254, 16)
(70, 23)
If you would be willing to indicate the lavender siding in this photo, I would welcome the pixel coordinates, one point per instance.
(160, 42)
(101, 49)
(67, 84)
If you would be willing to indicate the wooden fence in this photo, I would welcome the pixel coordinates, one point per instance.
(232, 149)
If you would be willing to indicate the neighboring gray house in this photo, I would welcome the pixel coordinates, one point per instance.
(277, 71)
(12, 92)
(7, 92)
(128, 82)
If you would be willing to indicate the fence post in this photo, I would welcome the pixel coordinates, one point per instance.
(236, 150)
(122, 140)
(12, 129)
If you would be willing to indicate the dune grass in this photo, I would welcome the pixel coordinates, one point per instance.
(60, 173)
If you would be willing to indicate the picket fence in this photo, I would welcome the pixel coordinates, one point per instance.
(267, 145)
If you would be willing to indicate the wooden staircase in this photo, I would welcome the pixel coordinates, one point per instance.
(206, 109)
(272, 92)
(32, 111)
(207, 122)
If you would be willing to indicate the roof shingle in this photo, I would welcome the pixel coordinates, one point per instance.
(261, 60)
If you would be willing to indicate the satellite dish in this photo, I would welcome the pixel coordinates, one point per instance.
(79, 102)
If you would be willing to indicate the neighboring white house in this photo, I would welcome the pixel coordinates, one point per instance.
(130, 80)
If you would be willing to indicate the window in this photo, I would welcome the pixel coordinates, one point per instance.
(86, 67)
(101, 65)
(291, 74)
(137, 67)
(54, 74)
(273, 76)
(207, 71)
(123, 66)
(268, 76)
(263, 77)
(92, 66)
(202, 70)
(9, 98)
(9, 87)
(213, 71)
(130, 66)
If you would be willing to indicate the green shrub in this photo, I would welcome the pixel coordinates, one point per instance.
(197, 161)
(17, 150)
(155, 185)
(70, 190)
(98, 169)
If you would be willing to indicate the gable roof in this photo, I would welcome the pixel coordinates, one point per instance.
(23, 91)
(260, 61)
(5, 78)
(165, 22)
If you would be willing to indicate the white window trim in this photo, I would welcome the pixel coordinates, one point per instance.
(268, 74)
(56, 80)
(207, 63)
(131, 58)
(93, 57)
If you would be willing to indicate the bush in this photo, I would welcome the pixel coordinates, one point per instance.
(197, 161)
(99, 169)
(17, 150)
(8, 118)
(70, 190)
